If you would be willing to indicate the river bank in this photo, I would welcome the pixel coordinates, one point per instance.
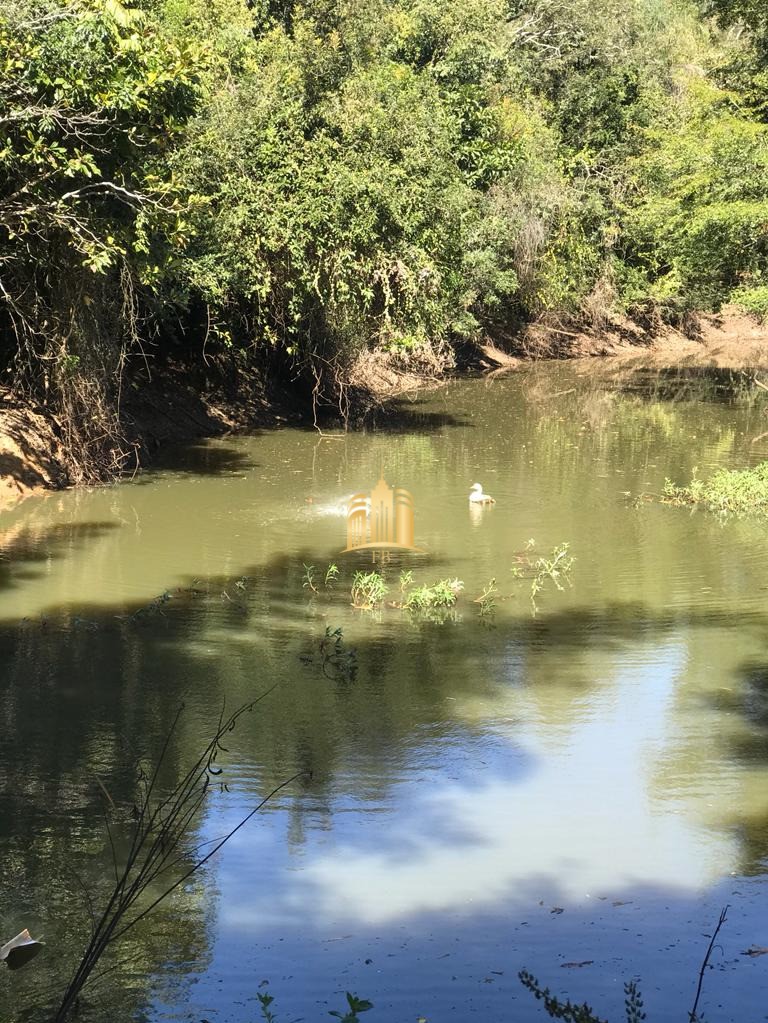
(166, 409)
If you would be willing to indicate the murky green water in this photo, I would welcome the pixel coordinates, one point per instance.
(586, 785)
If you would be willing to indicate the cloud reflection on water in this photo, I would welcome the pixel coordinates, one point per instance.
(582, 814)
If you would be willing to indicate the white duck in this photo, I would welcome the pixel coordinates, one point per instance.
(476, 495)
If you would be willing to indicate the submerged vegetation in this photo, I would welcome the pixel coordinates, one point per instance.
(728, 491)
(315, 189)
(337, 661)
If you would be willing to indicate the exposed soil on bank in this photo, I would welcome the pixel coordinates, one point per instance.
(728, 340)
(30, 457)
(156, 411)
(168, 410)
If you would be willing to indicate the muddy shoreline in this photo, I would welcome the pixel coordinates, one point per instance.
(170, 411)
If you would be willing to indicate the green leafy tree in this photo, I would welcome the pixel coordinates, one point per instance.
(92, 99)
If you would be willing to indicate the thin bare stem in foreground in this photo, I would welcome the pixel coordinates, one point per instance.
(692, 1015)
(161, 826)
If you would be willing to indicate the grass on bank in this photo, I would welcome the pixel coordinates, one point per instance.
(728, 491)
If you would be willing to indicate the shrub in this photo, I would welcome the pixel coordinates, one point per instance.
(728, 491)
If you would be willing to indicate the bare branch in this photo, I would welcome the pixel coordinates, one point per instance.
(161, 827)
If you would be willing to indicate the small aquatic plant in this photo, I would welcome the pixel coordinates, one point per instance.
(406, 578)
(368, 590)
(331, 575)
(265, 1000)
(728, 491)
(565, 1009)
(556, 567)
(441, 594)
(523, 564)
(355, 1006)
(558, 1008)
(351, 1014)
(241, 586)
(309, 578)
(487, 599)
(153, 607)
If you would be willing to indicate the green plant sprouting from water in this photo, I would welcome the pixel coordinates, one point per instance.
(355, 1006)
(309, 578)
(557, 1008)
(487, 599)
(556, 567)
(351, 1014)
(329, 578)
(368, 590)
(440, 594)
(265, 1000)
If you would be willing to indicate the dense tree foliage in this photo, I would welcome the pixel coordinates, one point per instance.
(91, 99)
(306, 183)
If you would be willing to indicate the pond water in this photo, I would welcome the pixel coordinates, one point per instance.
(580, 782)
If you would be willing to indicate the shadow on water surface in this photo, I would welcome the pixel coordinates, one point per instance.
(628, 621)
(748, 703)
(87, 691)
(213, 458)
(24, 544)
(216, 458)
(403, 415)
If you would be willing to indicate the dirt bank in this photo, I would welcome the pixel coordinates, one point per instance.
(169, 410)
(155, 411)
(30, 458)
(729, 340)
